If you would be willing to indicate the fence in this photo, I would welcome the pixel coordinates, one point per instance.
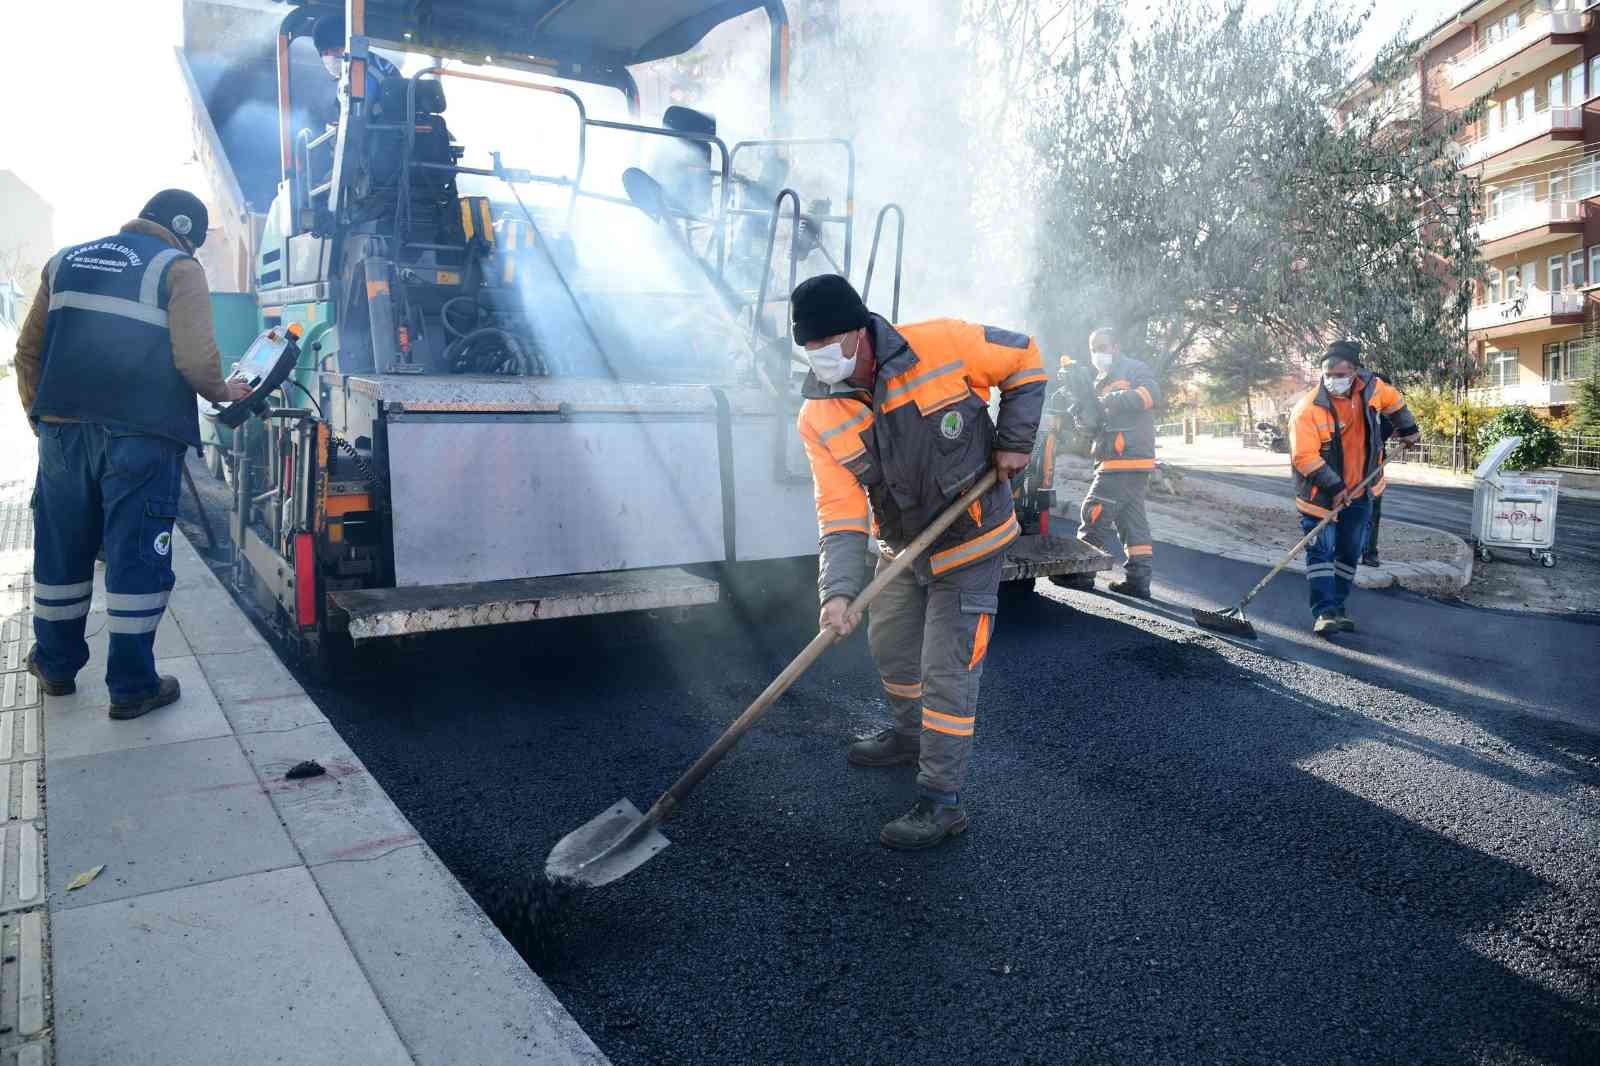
(1429, 453)
(1580, 451)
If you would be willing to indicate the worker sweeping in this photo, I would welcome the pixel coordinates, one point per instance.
(1121, 408)
(896, 427)
(1335, 445)
(114, 350)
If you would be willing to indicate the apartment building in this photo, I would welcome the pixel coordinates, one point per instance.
(1534, 327)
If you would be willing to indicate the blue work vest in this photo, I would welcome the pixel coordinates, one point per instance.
(107, 351)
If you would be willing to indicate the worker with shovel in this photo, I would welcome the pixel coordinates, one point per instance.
(896, 426)
(1336, 448)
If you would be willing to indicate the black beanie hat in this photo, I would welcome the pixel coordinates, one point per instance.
(327, 33)
(826, 306)
(1343, 352)
(180, 212)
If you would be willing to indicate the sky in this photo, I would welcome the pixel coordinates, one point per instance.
(97, 121)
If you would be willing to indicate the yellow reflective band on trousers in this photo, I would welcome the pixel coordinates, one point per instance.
(907, 690)
(951, 724)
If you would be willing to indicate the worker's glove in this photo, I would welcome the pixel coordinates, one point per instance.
(1327, 480)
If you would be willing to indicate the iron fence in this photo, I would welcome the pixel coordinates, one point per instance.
(1580, 451)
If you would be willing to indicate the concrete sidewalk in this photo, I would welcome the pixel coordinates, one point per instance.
(240, 917)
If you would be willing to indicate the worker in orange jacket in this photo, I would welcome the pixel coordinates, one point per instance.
(896, 426)
(1336, 441)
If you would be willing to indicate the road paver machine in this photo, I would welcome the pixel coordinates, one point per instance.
(539, 361)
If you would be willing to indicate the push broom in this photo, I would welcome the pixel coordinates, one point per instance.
(1232, 620)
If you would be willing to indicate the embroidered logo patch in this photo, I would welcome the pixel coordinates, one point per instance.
(950, 425)
(163, 543)
(181, 225)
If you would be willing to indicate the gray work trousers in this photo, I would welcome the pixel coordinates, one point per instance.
(929, 643)
(1116, 503)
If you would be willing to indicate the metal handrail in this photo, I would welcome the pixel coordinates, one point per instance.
(403, 207)
(766, 273)
(899, 255)
(848, 218)
(695, 138)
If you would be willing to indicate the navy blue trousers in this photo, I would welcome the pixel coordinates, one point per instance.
(1332, 558)
(97, 488)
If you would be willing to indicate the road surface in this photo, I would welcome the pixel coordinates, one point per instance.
(1182, 848)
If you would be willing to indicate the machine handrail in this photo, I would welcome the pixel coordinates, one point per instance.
(849, 216)
(697, 138)
(403, 208)
(899, 254)
(766, 272)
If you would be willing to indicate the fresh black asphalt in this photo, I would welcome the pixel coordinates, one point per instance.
(1183, 849)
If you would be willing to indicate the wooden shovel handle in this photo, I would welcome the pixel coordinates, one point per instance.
(813, 651)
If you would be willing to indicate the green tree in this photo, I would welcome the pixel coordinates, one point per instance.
(1586, 414)
(1540, 446)
(1198, 183)
(1239, 363)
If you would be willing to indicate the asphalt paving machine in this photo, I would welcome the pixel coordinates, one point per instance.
(536, 359)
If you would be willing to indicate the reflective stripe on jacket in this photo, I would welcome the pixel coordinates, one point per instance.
(1128, 396)
(888, 462)
(1316, 442)
(107, 351)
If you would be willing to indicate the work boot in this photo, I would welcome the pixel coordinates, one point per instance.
(1346, 623)
(167, 693)
(1326, 624)
(51, 688)
(1135, 585)
(886, 748)
(1370, 559)
(927, 825)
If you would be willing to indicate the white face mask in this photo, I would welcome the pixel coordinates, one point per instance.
(1102, 360)
(333, 64)
(1337, 386)
(830, 364)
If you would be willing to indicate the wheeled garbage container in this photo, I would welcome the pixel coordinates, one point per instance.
(1512, 510)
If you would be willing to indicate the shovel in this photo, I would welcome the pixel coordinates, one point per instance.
(619, 841)
(1232, 621)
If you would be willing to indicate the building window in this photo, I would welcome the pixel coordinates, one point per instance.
(1558, 185)
(1580, 359)
(1529, 105)
(1556, 268)
(1552, 362)
(1503, 367)
(1575, 275)
(1594, 264)
(1575, 87)
(1558, 91)
(1594, 74)
(1491, 290)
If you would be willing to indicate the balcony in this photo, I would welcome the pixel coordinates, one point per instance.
(1543, 39)
(1529, 224)
(1532, 394)
(1537, 309)
(1540, 134)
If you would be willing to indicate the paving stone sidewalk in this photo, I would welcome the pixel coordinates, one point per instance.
(239, 917)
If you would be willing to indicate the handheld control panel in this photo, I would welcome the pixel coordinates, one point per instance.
(265, 365)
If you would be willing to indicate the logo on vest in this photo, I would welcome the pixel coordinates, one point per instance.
(163, 543)
(181, 225)
(950, 425)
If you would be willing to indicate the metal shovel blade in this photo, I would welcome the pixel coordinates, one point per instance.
(609, 846)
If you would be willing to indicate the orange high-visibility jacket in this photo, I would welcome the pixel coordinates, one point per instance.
(1128, 397)
(1316, 440)
(889, 461)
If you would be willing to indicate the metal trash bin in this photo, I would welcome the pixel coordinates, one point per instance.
(1513, 510)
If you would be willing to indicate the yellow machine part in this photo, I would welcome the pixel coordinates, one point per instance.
(513, 236)
(475, 220)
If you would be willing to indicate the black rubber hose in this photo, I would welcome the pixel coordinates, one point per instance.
(444, 315)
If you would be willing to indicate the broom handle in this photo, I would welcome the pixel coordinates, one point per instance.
(802, 662)
(1307, 539)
